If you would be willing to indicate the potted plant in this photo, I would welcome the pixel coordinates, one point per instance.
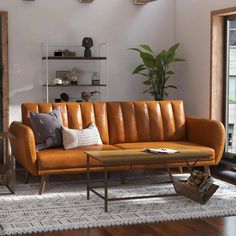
(156, 69)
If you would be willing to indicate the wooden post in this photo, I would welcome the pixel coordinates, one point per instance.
(42, 184)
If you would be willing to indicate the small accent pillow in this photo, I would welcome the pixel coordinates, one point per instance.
(73, 138)
(47, 129)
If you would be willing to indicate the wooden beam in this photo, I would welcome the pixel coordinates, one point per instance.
(5, 82)
(217, 61)
(217, 68)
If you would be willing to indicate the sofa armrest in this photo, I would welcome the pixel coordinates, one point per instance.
(23, 146)
(208, 133)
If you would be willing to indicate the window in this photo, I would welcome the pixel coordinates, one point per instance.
(223, 76)
(230, 85)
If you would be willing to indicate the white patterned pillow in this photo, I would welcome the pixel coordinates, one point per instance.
(73, 138)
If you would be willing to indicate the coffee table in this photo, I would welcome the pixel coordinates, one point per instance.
(130, 157)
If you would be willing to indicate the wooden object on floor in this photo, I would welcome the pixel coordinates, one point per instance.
(7, 168)
(194, 193)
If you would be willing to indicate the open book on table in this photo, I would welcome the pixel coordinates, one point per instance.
(161, 150)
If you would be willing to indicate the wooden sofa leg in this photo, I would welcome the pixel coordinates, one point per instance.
(207, 170)
(27, 177)
(180, 170)
(42, 184)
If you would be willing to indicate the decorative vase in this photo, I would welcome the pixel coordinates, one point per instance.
(95, 79)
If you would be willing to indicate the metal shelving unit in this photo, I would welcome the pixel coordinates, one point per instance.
(86, 65)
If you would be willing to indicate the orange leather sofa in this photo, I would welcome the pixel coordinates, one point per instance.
(122, 125)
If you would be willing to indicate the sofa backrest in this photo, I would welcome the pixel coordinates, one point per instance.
(74, 115)
(120, 122)
(146, 121)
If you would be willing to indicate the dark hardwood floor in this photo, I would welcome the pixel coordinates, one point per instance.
(219, 226)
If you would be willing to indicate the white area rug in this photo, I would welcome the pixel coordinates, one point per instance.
(64, 207)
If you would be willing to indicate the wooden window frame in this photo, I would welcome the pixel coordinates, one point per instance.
(217, 63)
(5, 82)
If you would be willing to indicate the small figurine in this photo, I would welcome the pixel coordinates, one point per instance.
(68, 53)
(73, 75)
(87, 43)
(86, 95)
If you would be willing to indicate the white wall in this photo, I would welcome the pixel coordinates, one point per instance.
(118, 22)
(193, 32)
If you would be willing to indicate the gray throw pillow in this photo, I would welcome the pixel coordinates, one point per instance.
(47, 129)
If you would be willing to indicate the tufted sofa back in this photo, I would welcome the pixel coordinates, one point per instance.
(146, 121)
(74, 115)
(120, 122)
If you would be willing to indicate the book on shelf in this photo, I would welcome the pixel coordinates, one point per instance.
(160, 150)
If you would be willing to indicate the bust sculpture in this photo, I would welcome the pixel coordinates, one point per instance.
(87, 43)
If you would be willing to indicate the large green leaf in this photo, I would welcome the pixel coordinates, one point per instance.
(147, 90)
(179, 59)
(147, 82)
(146, 47)
(169, 60)
(148, 59)
(138, 69)
(159, 60)
(171, 86)
(135, 49)
(173, 48)
(143, 74)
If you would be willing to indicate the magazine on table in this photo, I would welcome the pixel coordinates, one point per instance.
(160, 150)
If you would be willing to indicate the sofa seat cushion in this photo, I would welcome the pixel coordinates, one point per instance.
(180, 145)
(59, 158)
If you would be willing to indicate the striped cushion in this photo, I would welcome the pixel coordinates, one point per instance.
(73, 138)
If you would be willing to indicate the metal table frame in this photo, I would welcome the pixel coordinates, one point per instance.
(107, 199)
